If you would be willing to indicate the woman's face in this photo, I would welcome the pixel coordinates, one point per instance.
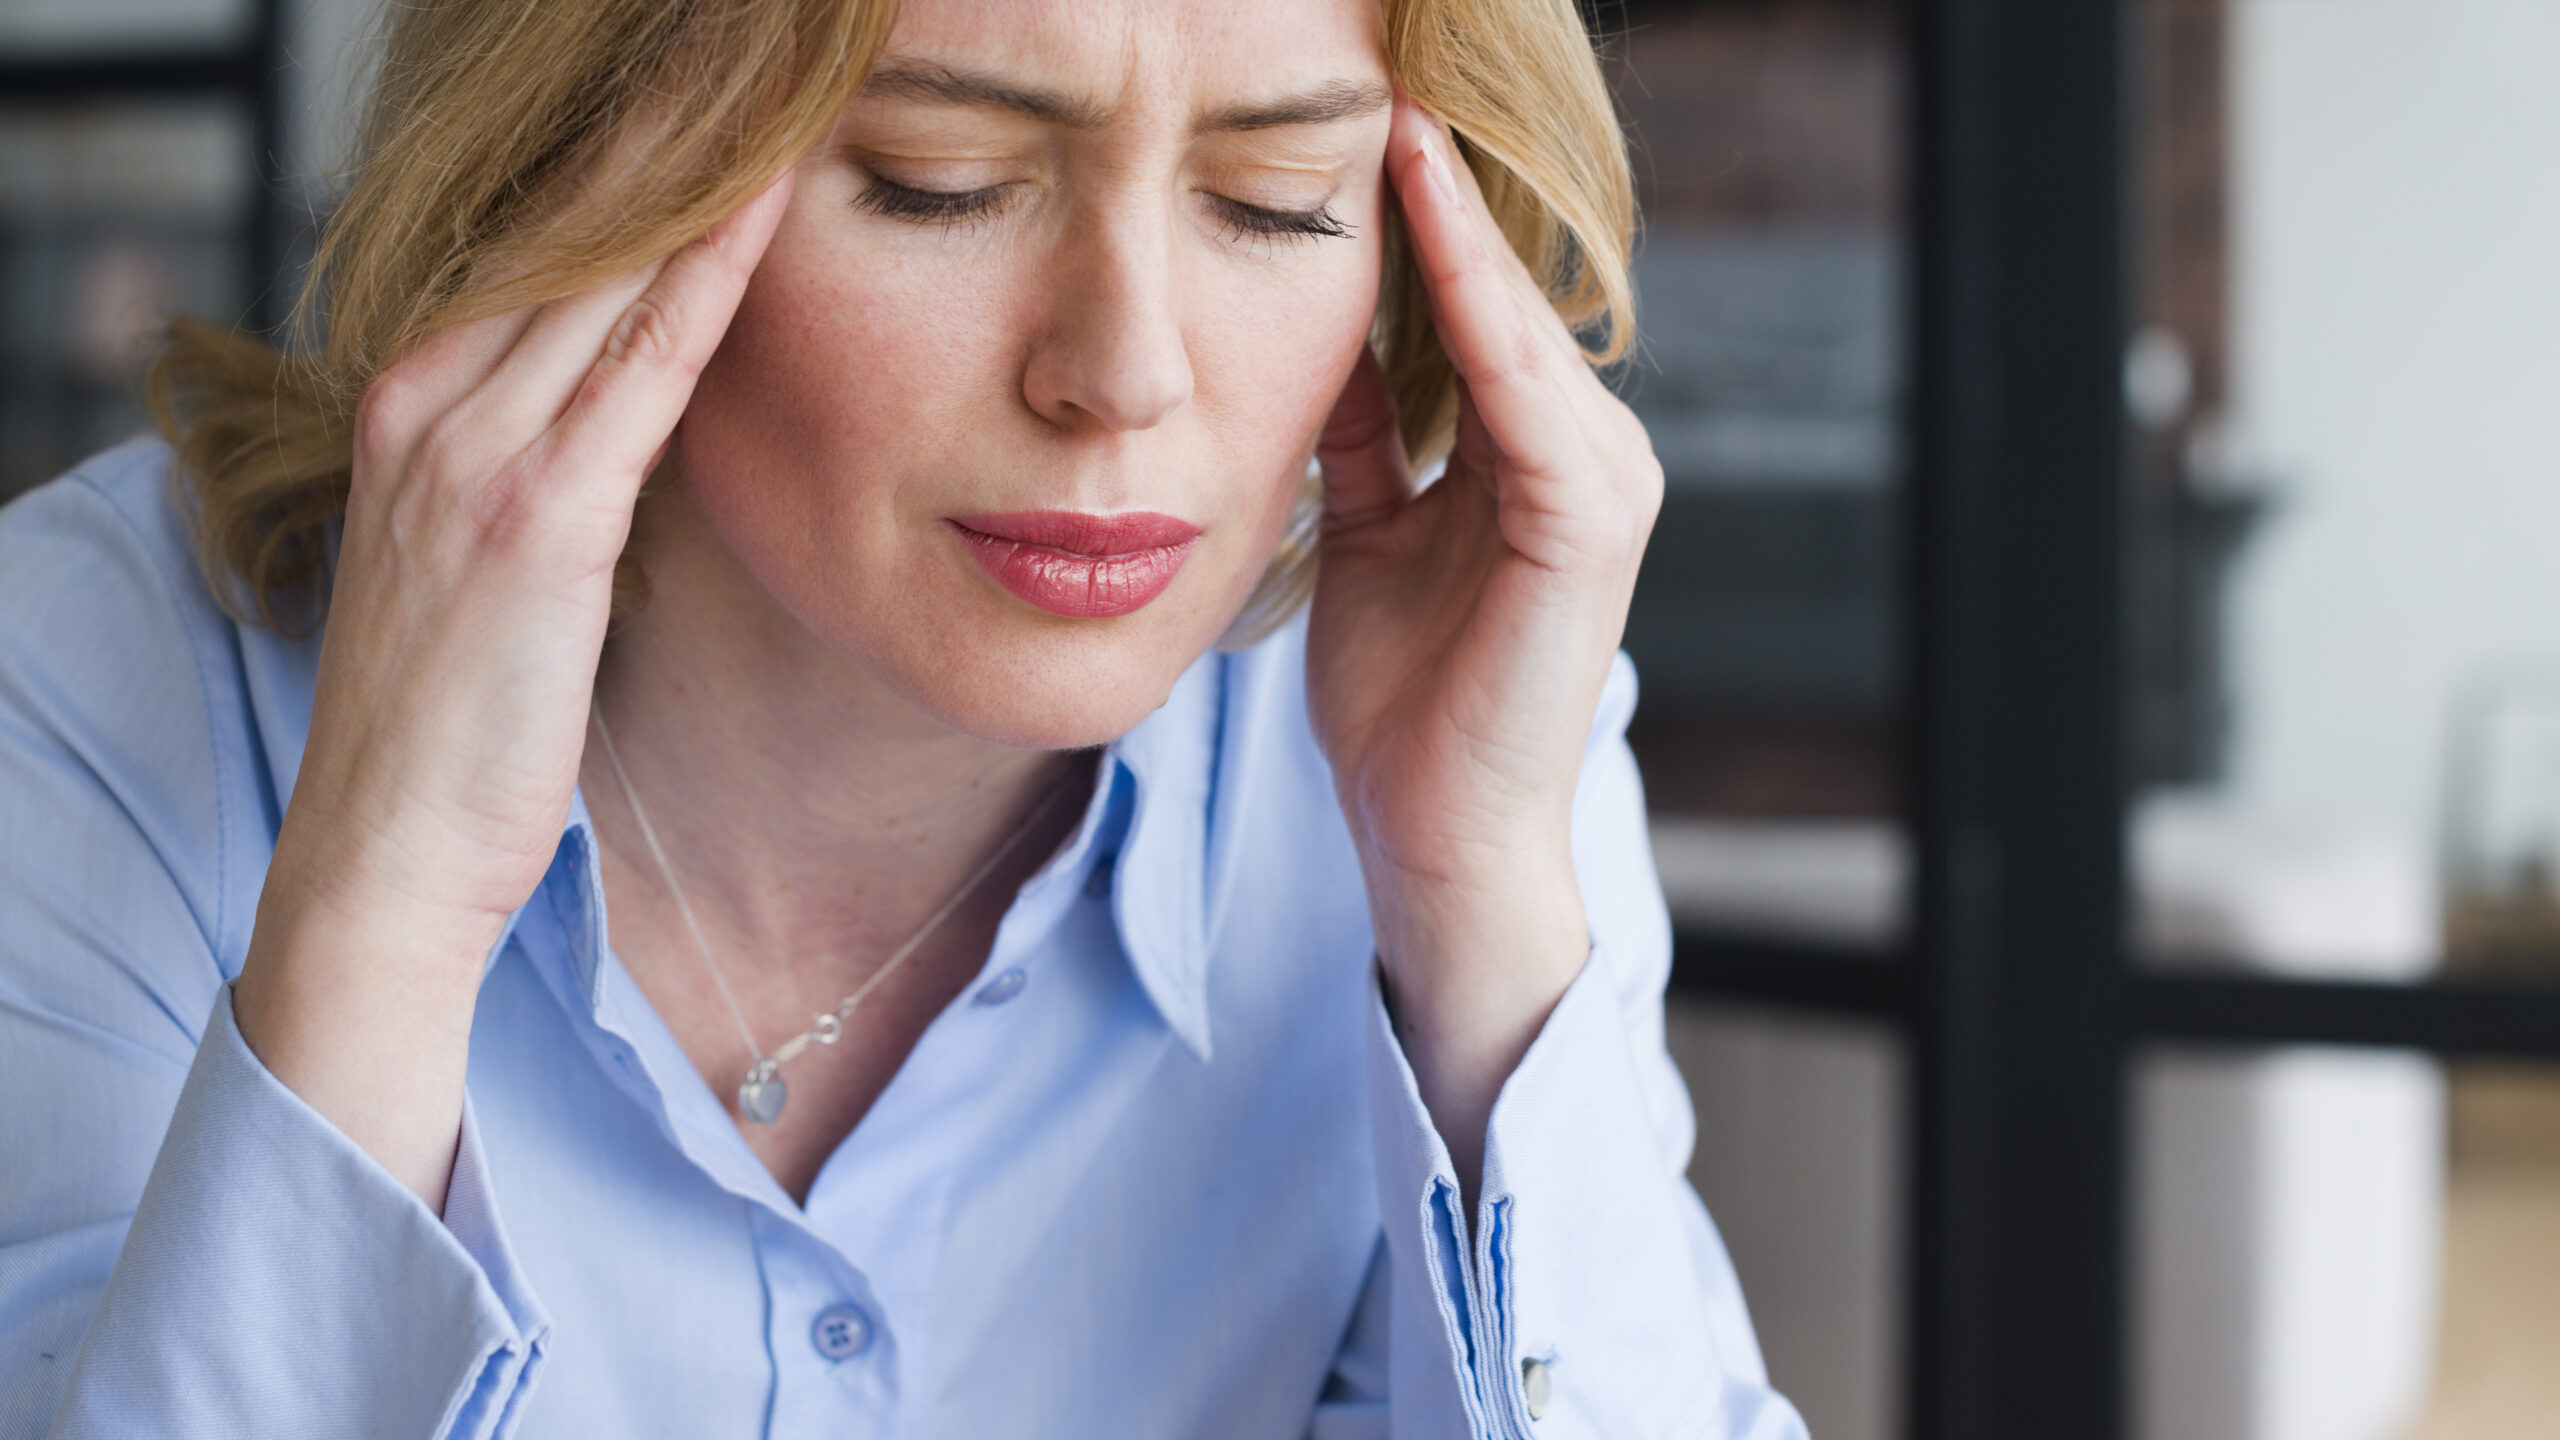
(1018, 402)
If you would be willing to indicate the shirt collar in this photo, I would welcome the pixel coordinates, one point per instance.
(1159, 895)
(1158, 856)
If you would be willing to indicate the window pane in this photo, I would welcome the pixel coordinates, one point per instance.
(2347, 620)
(2338, 1244)
(1799, 1159)
(112, 219)
(1767, 143)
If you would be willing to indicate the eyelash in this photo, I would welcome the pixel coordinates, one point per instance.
(958, 207)
(930, 207)
(1258, 222)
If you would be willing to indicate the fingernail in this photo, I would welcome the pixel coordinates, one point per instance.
(1437, 170)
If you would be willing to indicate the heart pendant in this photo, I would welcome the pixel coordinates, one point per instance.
(761, 1098)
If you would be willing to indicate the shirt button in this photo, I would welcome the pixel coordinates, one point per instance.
(1004, 987)
(1535, 1387)
(841, 1332)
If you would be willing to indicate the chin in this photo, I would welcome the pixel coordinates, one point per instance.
(1071, 711)
(1006, 674)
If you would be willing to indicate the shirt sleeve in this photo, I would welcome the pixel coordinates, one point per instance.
(1589, 1256)
(275, 1280)
(185, 1247)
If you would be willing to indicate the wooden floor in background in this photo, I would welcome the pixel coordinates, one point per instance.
(2498, 1351)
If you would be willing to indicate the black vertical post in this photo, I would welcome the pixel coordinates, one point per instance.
(266, 256)
(2012, 699)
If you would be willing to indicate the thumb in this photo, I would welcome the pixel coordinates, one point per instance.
(1362, 450)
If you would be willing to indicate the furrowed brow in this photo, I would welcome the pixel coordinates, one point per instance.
(940, 84)
(1326, 103)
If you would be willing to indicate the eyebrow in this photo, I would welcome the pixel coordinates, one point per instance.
(940, 84)
(1333, 100)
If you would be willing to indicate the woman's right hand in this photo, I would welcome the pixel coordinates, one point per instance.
(496, 469)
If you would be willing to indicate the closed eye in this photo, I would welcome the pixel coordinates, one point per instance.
(928, 207)
(952, 207)
(1263, 222)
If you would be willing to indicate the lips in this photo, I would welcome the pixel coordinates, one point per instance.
(1078, 565)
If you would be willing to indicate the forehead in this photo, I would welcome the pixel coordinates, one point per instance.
(1121, 54)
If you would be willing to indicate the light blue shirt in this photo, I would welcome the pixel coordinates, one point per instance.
(1161, 1171)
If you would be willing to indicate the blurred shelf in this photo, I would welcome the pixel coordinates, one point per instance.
(237, 70)
(2450, 1017)
(1790, 974)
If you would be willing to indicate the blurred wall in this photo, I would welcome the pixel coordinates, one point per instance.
(2396, 332)
(325, 44)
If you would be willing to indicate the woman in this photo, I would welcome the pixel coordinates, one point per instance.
(832, 943)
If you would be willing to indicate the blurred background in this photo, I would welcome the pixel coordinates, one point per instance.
(2341, 683)
(2340, 648)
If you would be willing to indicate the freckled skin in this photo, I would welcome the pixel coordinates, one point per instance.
(1105, 341)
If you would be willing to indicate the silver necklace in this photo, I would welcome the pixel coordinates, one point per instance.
(762, 1094)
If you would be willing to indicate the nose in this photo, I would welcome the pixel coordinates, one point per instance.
(1110, 352)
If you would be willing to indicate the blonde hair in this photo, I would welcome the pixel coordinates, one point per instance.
(464, 202)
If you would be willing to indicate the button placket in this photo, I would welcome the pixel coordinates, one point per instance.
(835, 1352)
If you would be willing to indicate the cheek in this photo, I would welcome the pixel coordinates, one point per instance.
(798, 434)
(846, 387)
(1269, 352)
(1268, 360)
(836, 358)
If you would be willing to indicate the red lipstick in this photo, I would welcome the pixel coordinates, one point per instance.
(1078, 565)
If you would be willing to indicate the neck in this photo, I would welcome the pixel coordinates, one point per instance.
(812, 815)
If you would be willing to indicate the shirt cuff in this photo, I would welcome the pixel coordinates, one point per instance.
(278, 1281)
(1581, 1257)
(1433, 1297)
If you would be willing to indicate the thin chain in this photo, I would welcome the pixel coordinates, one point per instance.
(684, 907)
(830, 1023)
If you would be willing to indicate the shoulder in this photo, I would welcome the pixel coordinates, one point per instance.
(73, 552)
(102, 555)
(107, 640)
(129, 755)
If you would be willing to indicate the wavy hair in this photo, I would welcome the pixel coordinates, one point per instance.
(463, 202)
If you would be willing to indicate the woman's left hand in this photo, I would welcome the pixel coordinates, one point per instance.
(1459, 640)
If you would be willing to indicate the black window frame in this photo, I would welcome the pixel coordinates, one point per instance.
(2015, 993)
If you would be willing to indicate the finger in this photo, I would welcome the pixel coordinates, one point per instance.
(1496, 326)
(1361, 451)
(566, 333)
(535, 380)
(461, 356)
(435, 376)
(1418, 129)
(550, 363)
(636, 391)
